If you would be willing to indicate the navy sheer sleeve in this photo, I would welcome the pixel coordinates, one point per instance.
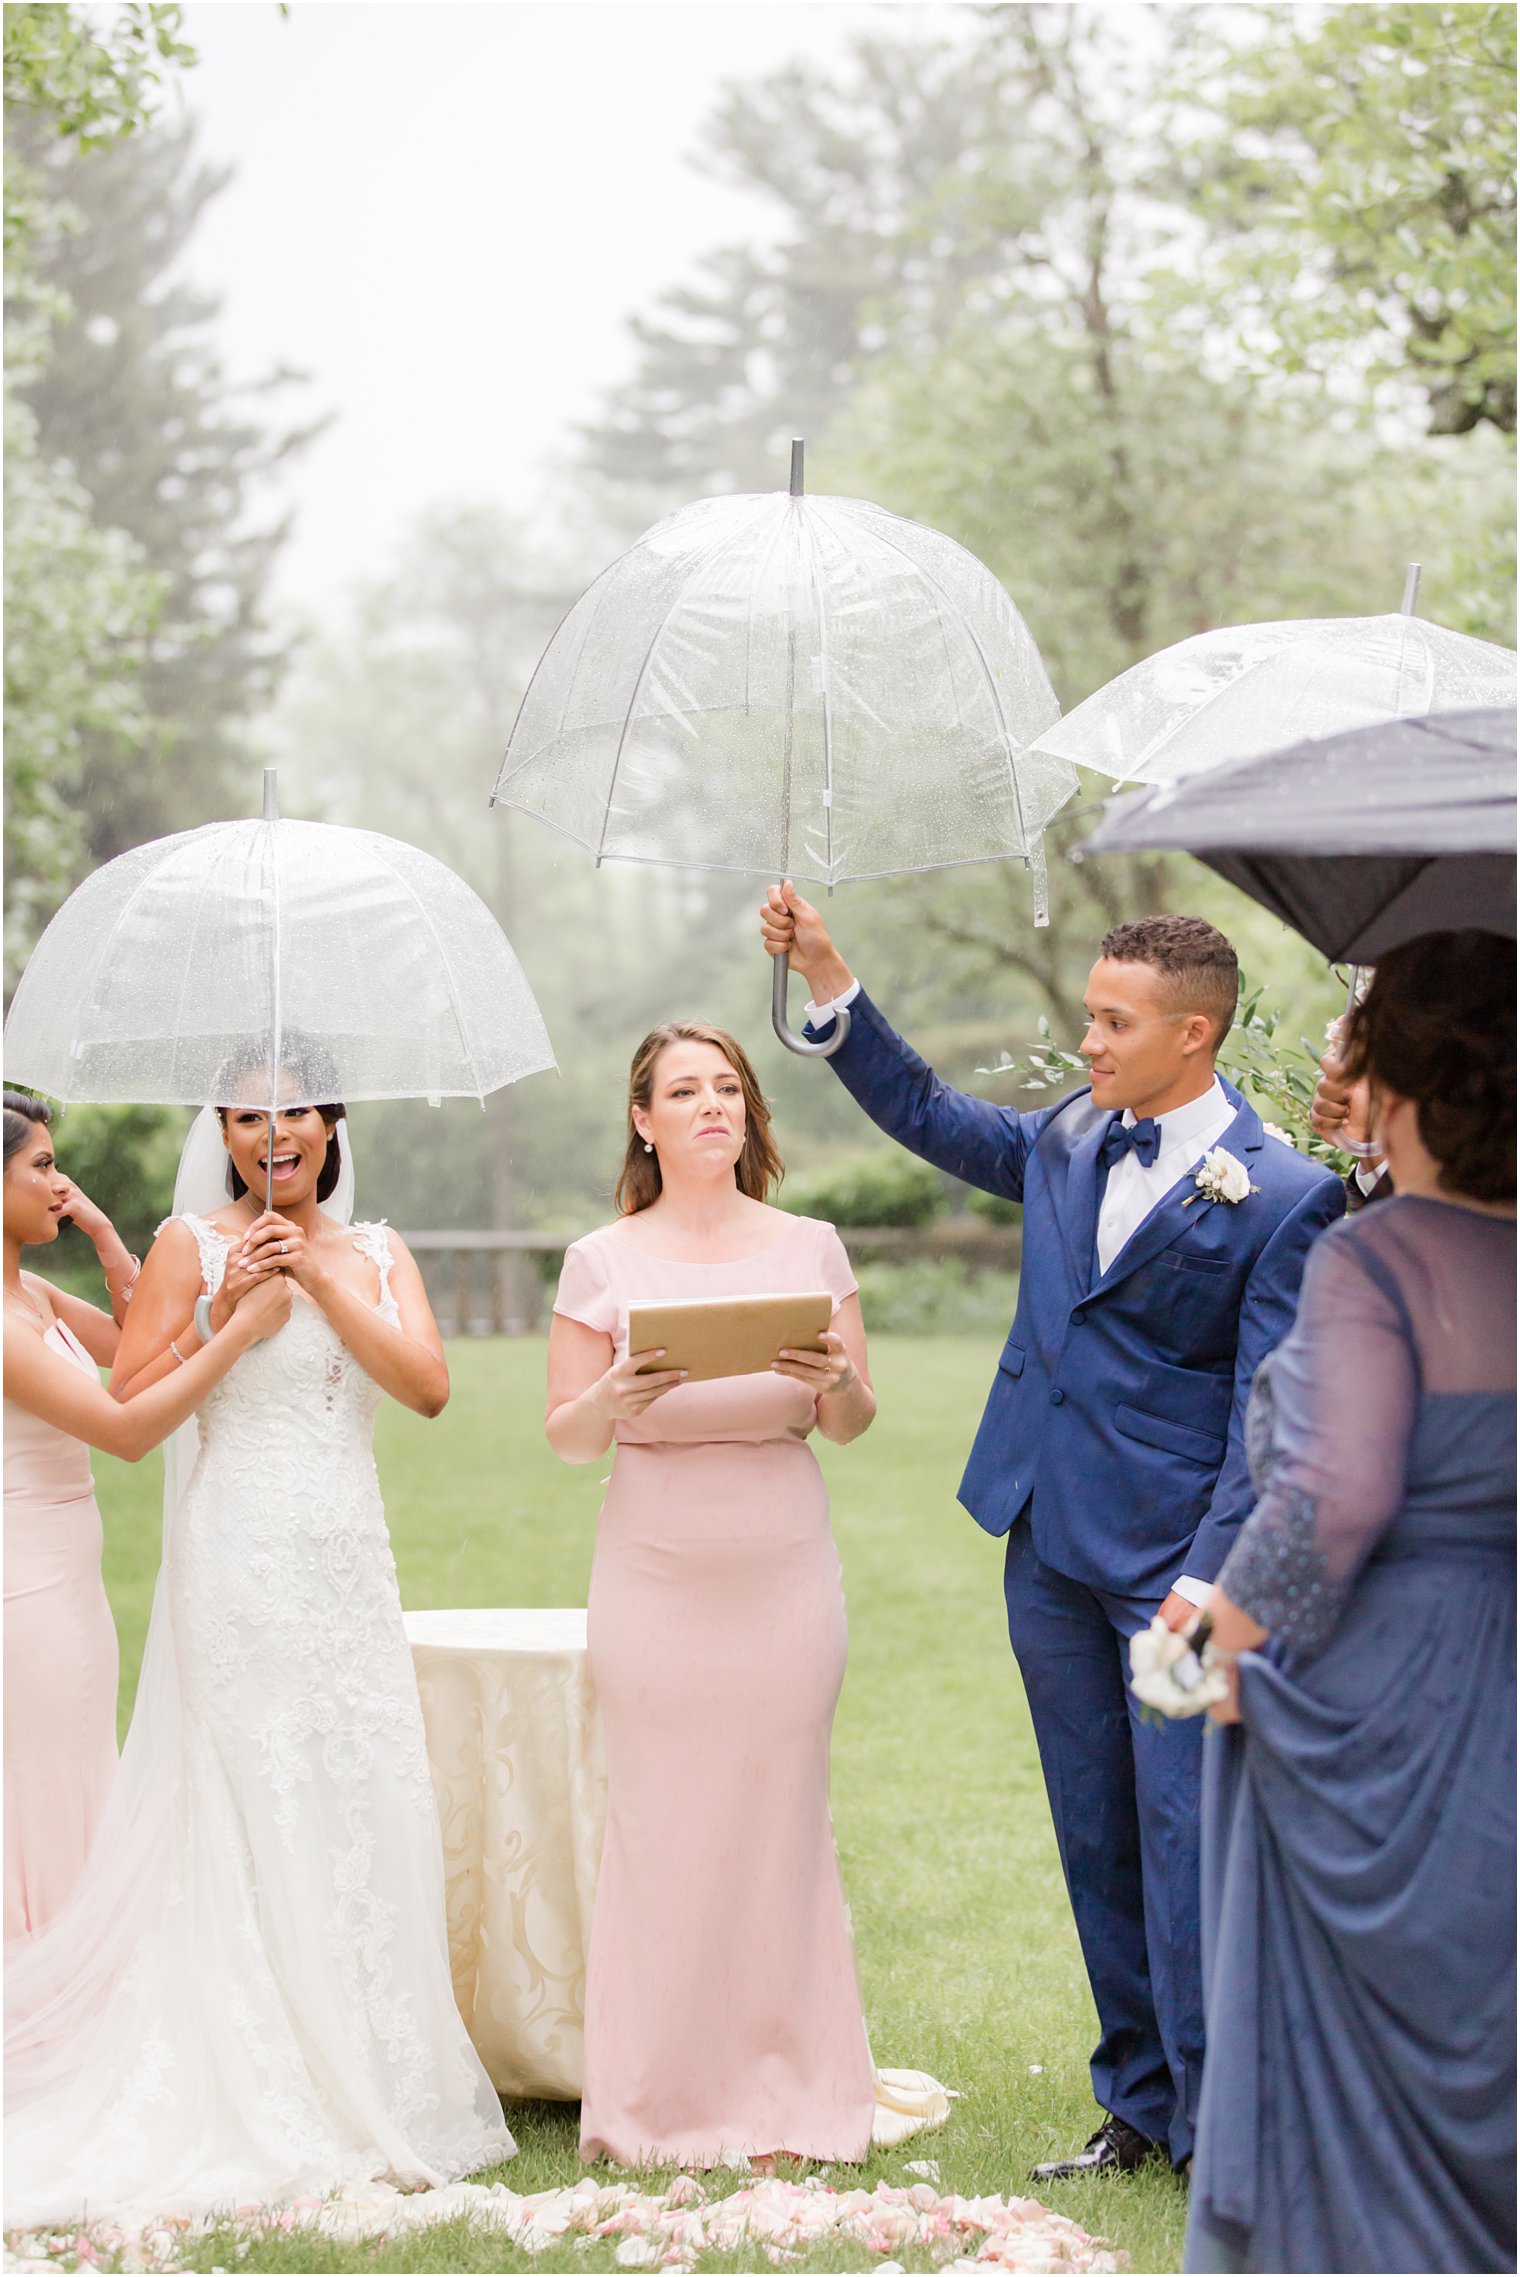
(1328, 1436)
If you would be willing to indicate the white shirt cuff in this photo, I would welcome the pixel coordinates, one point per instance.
(1196, 1592)
(816, 1014)
(1368, 1173)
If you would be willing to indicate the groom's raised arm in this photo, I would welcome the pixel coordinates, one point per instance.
(984, 1145)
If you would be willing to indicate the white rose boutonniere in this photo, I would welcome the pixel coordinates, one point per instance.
(1220, 1178)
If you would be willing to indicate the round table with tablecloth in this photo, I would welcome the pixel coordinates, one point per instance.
(515, 1744)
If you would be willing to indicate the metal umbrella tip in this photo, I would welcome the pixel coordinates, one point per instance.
(797, 466)
(271, 794)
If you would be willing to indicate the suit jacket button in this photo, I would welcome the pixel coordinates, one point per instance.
(1078, 1317)
(1056, 1398)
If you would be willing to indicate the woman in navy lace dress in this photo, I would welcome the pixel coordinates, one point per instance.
(1359, 1827)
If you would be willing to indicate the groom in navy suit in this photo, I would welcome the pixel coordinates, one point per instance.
(1111, 1450)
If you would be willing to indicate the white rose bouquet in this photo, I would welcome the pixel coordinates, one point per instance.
(1176, 1675)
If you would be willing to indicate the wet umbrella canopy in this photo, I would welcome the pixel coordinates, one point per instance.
(1246, 689)
(304, 962)
(1358, 841)
(793, 687)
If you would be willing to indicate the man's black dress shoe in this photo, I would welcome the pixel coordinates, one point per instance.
(1116, 2148)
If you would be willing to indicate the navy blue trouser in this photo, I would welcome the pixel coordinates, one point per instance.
(1124, 1796)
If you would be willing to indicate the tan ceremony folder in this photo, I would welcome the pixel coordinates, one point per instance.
(727, 1336)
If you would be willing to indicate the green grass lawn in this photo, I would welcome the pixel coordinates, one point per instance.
(968, 1957)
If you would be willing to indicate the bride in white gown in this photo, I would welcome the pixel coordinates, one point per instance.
(249, 1998)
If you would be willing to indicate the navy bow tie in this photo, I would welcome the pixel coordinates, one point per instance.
(1142, 1138)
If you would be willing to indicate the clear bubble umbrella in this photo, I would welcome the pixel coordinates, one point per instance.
(283, 963)
(1244, 690)
(792, 686)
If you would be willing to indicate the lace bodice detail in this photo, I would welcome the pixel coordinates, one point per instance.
(284, 1550)
(305, 1374)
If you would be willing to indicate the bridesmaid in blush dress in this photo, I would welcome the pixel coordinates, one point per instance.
(60, 1640)
(723, 2016)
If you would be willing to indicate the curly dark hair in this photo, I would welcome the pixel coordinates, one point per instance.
(23, 1113)
(1198, 966)
(1438, 1026)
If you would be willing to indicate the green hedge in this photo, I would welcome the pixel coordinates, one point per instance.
(887, 1187)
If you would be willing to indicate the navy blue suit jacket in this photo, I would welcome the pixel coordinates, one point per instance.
(1117, 1412)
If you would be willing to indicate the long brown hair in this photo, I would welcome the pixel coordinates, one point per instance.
(759, 1169)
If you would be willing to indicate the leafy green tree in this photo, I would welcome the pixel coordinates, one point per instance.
(765, 342)
(97, 83)
(80, 600)
(125, 1159)
(79, 611)
(132, 397)
(1359, 176)
(78, 81)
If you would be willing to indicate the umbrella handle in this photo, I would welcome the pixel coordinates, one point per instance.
(802, 1045)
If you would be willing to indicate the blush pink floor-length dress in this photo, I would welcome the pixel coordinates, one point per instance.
(723, 2013)
(60, 1661)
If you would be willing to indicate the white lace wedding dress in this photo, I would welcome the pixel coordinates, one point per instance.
(250, 1999)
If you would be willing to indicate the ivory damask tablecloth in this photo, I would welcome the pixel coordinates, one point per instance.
(515, 1742)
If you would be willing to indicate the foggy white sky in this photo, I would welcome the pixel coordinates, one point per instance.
(445, 210)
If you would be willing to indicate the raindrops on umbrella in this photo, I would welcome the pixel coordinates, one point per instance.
(1242, 690)
(791, 686)
(309, 962)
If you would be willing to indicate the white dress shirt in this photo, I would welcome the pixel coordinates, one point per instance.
(1133, 1188)
(816, 1014)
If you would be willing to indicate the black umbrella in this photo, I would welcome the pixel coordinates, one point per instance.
(1359, 841)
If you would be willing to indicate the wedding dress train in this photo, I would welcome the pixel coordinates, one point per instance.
(249, 1998)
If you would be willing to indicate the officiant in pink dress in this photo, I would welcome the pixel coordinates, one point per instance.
(723, 2014)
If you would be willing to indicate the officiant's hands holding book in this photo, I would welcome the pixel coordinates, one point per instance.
(580, 1428)
(623, 1394)
(831, 1370)
(836, 1377)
